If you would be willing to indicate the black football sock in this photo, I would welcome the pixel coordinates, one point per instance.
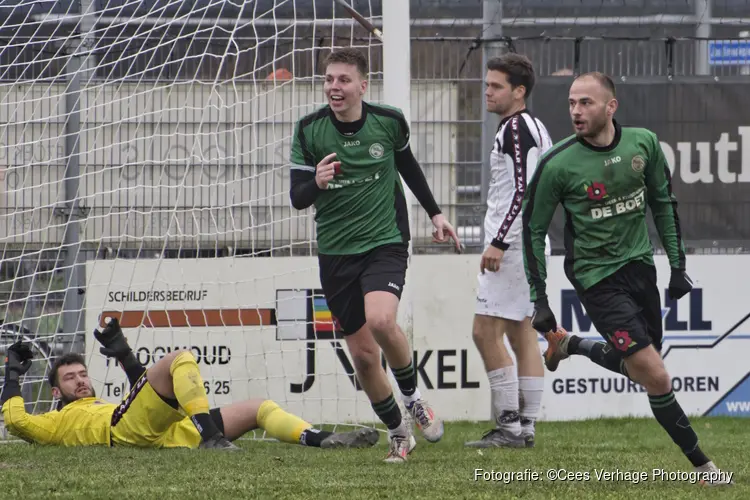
(599, 352)
(388, 412)
(406, 378)
(217, 418)
(313, 437)
(669, 414)
(205, 425)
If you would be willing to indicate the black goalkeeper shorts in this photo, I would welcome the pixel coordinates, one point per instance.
(625, 308)
(346, 279)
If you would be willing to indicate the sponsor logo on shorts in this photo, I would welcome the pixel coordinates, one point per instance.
(393, 285)
(622, 341)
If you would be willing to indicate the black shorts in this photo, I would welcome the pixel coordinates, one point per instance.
(346, 279)
(626, 308)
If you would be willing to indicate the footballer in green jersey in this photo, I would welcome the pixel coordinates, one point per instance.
(605, 176)
(346, 159)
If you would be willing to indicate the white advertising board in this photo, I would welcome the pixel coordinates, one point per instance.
(259, 328)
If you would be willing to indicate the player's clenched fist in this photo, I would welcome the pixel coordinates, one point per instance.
(18, 360)
(326, 170)
(491, 259)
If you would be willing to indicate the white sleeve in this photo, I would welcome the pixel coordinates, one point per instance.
(521, 154)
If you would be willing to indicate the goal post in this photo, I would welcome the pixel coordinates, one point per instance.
(397, 92)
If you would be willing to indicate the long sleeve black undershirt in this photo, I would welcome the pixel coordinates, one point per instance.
(11, 389)
(412, 173)
(304, 190)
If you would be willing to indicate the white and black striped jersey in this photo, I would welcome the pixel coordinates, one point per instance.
(521, 139)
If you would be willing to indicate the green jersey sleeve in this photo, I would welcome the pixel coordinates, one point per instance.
(663, 204)
(402, 134)
(398, 127)
(540, 202)
(301, 156)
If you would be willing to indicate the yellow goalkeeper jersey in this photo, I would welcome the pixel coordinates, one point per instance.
(84, 422)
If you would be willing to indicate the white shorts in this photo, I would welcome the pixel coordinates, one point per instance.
(505, 293)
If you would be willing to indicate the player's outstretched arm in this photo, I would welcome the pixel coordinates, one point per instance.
(663, 205)
(38, 429)
(408, 166)
(541, 199)
(17, 363)
(115, 345)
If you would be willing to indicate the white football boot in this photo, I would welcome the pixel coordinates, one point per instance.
(713, 476)
(432, 428)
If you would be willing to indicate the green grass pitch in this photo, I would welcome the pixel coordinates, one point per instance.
(444, 470)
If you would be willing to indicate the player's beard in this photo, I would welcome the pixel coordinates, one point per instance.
(70, 398)
(596, 125)
(499, 108)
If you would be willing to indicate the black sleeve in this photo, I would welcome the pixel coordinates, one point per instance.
(304, 190)
(412, 173)
(11, 389)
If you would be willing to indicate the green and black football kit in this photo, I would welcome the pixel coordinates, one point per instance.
(362, 218)
(608, 254)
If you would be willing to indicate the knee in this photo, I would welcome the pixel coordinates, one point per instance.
(381, 323)
(265, 409)
(365, 357)
(659, 381)
(647, 368)
(181, 358)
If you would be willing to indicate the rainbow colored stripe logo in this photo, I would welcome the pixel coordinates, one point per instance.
(322, 318)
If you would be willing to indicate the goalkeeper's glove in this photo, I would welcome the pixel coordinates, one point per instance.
(114, 343)
(680, 284)
(17, 360)
(543, 320)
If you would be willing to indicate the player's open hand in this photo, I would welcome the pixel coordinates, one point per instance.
(326, 170)
(491, 259)
(113, 340)
(443, 231)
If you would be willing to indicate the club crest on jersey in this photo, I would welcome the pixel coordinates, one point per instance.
(638, 163)
(377, 150)
(596, 191)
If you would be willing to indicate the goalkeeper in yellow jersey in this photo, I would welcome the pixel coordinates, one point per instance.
(166, 407)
